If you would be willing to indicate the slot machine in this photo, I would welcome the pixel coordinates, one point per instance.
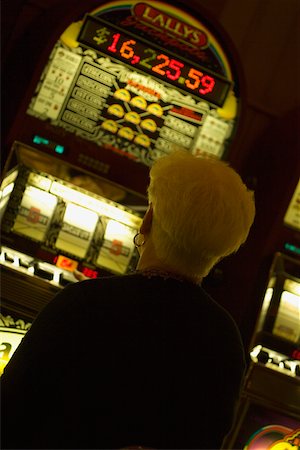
(57, 225)
(269, 411)
(120, 87)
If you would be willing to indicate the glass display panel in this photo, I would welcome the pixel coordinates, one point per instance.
(10, 178)
(117, 248)
(265, 307)
(288, 317)
(4, 197)
(35, 213)
(77, 230)
(6, 189)
(45, 164)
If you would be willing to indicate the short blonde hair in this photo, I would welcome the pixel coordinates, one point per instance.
(202, 211)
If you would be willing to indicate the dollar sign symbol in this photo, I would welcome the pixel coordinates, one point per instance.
(101, 35)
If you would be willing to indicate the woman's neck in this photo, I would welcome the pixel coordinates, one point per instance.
(154, 267)
(149, 262)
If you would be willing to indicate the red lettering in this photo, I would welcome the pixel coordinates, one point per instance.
(34, 215)
(116, 247)
(296, 354)
(147, 14)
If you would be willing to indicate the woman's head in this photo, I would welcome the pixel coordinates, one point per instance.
(202, 211)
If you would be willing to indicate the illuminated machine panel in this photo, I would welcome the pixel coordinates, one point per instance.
(35, 213)
(6, 189)
(54, 221)
(137, 80)
(276, 339)
(77, 230)
(268, 415)
(287, 323)
(116, 250)
(195, 80)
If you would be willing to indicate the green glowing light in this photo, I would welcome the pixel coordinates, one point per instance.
(292, 248)
(59, 149)
(40, 140)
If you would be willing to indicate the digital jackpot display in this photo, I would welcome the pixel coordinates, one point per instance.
(130, 49)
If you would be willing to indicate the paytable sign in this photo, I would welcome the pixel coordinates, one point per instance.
(212, 136)
(57, 82)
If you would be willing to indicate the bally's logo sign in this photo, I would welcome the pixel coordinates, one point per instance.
(168, 29)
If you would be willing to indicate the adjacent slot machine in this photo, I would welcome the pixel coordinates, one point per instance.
(276, 341)
(122, 85)
(269, 411)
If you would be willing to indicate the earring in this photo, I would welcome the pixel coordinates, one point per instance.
(139, 239)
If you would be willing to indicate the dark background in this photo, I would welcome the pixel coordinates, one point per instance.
(264, 39)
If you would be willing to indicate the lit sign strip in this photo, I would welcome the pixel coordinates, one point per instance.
(191, 78)
(98, 206)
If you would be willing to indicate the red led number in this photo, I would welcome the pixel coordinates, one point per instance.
(171, 64)
(126, 51)
(89, 272)
(175, 65)
(170, 68)
(208, 84)
(197, 79)
(195, 76)
(113, 46)
(158, 67)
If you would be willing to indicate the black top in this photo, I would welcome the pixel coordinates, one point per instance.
(120, 361)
